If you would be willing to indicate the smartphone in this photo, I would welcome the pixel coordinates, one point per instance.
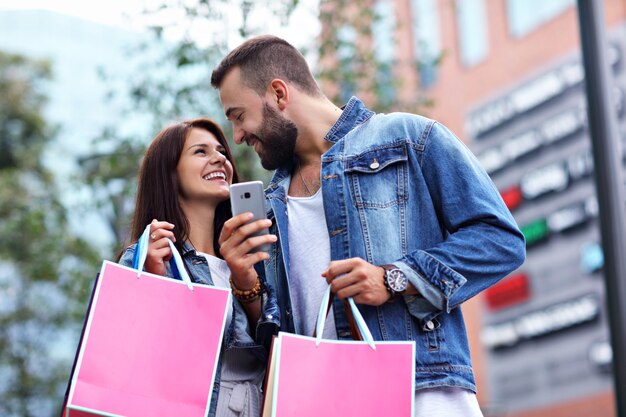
(249, 196)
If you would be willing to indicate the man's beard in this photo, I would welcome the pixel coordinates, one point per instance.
(278, 139)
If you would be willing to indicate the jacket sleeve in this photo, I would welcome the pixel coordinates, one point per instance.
(482, 243)
(127, 256)
(269, 321)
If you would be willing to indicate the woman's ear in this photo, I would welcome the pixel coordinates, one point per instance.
(280, 92)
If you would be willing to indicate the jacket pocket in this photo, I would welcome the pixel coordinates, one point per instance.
(378, 177)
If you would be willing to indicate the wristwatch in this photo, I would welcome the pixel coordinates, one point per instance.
(395, 280)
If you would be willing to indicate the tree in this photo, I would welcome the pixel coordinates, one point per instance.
(45, 271)
(177, 84)
(176, 87)
(358, 56)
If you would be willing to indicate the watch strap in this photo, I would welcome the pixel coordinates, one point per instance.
(388, 268)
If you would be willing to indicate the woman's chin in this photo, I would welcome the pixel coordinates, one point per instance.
(223, 194)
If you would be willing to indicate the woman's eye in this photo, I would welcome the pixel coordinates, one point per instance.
(200, 151)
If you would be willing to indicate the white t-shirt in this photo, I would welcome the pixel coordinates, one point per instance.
(446, 402)
(309, 256)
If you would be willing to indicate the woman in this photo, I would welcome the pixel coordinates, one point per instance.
(183, 192)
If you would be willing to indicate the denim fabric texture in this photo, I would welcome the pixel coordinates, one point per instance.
(400, 188)
(237, 335)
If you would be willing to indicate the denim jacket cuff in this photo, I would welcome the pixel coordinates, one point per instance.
(420, 306)
(435, 283)
(269, 322)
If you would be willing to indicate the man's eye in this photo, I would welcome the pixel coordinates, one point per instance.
(240, 117)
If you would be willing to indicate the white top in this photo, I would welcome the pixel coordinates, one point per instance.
(309, 256)
(446, 402)
(220, 274)
(241, 374)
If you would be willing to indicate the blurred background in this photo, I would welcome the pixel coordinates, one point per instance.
(84, 86)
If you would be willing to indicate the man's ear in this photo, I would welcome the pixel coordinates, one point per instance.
(279, 92)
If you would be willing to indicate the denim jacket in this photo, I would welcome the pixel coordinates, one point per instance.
(402, 189)
(237, 335)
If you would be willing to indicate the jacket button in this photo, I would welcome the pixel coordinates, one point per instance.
(374, 164)
(429, 325)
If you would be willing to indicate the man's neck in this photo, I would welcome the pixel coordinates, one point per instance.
(315, 117)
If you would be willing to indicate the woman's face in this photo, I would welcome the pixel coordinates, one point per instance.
(204, 172)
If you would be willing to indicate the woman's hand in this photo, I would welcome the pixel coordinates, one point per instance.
(159, 252)
(235, 247)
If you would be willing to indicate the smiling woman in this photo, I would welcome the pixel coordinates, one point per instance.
(183, 194)
(204, 171)
(172, 187)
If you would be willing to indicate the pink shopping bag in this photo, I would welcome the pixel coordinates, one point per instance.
(310, 377)
(150, 346)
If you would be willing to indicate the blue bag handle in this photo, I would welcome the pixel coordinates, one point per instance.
(358, 319)
(141, 253)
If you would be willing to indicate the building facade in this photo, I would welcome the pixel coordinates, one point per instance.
(507, 77)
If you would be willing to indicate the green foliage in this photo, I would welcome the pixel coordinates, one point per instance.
(171, 82)
(45, 271)
(20, 127)
(351, 61)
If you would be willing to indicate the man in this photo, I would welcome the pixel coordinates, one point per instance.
(392, 210)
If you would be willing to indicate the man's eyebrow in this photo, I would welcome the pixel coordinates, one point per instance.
(230, 110)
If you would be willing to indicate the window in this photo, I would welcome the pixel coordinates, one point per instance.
(383, 32)
(526, 15)
(472, 29)
(427, 39)
(346, 49)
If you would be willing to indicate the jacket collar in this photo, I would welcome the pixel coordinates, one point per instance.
(187, 248)
(354, 113)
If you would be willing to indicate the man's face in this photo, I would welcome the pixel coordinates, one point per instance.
(257, 123)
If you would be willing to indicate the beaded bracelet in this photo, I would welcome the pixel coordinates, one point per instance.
(247, 296)
(250, 300)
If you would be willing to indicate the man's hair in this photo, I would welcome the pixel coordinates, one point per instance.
(264, 58)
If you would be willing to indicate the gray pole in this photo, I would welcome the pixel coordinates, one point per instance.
(607, 158)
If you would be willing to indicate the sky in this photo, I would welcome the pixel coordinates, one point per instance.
(303, 27)
(110, 12)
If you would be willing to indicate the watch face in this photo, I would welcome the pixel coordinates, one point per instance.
(397, 280)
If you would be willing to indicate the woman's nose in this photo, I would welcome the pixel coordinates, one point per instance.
(218, 158)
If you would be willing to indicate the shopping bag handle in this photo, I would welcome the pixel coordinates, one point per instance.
(141, 253)
(362, 331)
(354, 330)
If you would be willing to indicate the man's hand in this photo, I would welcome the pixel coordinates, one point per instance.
(358, 279)
(235, 247)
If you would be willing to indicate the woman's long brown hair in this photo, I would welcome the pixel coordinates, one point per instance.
(157, 188)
